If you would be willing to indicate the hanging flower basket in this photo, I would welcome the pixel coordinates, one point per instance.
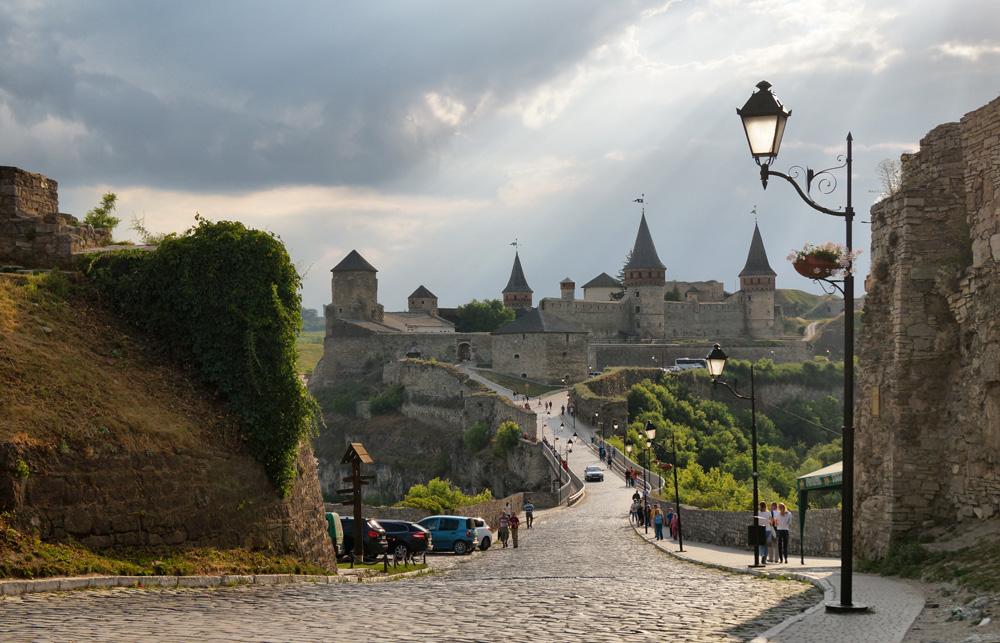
(815, 268)
(822, 262)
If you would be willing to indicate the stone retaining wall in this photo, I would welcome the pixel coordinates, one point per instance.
(729, 529)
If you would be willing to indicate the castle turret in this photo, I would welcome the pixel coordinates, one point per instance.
(645, 281)
(355, 290)
(517, 294)
(422, 301)
(567, 289)
(757, 286)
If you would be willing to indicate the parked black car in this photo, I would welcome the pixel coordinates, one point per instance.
(406, 537)
(373, 540)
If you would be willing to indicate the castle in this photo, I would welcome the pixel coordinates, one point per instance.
(548, 343)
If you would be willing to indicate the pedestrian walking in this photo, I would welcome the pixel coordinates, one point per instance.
(633, 512)
(529, 510)
(658, 521)
(503, 533)
(782, 521)
(675, 526)
(647, 513)
(514, 524)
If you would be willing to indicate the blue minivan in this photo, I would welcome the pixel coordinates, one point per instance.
(456, 533)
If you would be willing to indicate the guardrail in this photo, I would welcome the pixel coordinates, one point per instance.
(620, 462)
(572, 489)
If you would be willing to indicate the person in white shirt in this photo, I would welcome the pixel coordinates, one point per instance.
(782, 521)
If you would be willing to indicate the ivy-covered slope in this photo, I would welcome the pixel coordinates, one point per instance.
(224, 298)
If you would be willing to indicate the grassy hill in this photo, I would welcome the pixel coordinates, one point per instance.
(79, 385)
(73, 377)
(798, 303)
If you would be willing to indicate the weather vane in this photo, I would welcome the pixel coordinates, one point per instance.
(642, 199)
(516, 244)
(754, 213)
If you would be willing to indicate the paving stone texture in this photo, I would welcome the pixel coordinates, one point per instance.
(581, 574)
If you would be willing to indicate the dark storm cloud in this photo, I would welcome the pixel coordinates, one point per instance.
(200, 96)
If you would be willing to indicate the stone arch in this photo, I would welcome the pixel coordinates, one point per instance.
(464, 351)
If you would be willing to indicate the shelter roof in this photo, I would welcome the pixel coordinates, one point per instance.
(603, 280)
(827, 477)
(539, 321)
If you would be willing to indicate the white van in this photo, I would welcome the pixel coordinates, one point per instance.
(685, 363)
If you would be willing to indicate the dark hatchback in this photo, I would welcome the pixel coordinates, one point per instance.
(406, 537)
(373, 540)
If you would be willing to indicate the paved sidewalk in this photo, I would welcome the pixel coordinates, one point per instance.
(894, 605)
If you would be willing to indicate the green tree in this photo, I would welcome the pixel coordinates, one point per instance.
(440, 497)
(476, 437)
(482, 316)
(618, 295)
(100, 216)
(673, 295)
(312, 320)
(506, 437)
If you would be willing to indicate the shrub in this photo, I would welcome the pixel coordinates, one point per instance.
(505, 439)
(387, 402)
(477, 437)
(439, 497)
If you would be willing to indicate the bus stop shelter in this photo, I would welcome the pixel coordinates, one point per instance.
(825, 479)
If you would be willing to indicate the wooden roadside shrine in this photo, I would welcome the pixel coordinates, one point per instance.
(355, 455)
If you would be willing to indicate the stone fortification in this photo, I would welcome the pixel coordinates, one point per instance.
(444, 396)
(182, 498)
(602, 356)
(33, 233)
(928, 411)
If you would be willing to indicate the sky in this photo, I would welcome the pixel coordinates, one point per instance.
(429, 136)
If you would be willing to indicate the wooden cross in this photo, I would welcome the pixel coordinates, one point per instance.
(355, 455)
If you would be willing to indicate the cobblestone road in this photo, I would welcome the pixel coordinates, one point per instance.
(580, 574)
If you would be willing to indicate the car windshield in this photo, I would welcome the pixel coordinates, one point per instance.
(594, 469)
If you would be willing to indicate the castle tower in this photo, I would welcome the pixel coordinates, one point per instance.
(757, 286)
(645, 285)
(517, 294)
(422, 301)
(567, 289)
(355, 290)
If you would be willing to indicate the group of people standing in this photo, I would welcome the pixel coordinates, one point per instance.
(643, 514)
(776, 522)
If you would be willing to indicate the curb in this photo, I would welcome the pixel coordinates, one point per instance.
(21, 587)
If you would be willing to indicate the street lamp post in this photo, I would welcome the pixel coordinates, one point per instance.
(716, 362)
(764, 119)
(614, 427)
(677, 493)
(650, 436)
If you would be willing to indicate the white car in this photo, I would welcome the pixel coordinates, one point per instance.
(483, 534)
(593, 474)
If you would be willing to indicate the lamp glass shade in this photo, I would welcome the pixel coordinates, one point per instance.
(716, 361)
(650, 430)
(614, 425)
(764, 120)
(649, 444)
(628, 448)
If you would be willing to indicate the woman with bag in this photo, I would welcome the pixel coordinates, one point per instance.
(772, 536)
(782, 521)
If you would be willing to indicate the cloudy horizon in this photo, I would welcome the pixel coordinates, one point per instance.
(429, 136)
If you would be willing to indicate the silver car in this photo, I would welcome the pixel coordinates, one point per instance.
(593, 474)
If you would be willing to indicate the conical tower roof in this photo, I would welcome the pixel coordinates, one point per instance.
(517, 282)
(757, 258)
(644, 255)
(353, 262)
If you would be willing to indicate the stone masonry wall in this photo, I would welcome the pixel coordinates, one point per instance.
(928, 410)
(729, 529)
(602, 356)
(33, 233)
(181, 498)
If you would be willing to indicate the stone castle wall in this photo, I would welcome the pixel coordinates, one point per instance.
(546, 357)
(604, 319)
(182, 498)
(33, 233)
(353, 352)
(928, 410)
(443, 396)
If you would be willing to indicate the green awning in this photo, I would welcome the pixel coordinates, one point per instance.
(831, 477)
